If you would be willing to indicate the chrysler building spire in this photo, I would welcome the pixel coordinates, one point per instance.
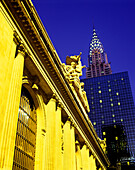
(97, 58)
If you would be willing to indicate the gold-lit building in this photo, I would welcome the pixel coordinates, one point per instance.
(43, 107)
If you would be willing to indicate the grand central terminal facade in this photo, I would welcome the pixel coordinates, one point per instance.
(44, 123)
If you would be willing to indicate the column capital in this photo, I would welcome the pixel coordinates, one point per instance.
(85, 144)
(93, 156)
(21, 49)
(26, 80)
(20, 46)
(52, 97)
(73, 124)
(59, 105)
(69, 120)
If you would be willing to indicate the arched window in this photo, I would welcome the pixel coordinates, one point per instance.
(24, 153)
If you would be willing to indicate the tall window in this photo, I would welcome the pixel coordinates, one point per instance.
(24, 154)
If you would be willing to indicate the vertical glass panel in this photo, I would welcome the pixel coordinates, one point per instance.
(24, 154)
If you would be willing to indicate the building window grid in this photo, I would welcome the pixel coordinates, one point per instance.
(24, 154)
(123, 90)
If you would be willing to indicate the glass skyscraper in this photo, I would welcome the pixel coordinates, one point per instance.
(111, 104)
(112, 110)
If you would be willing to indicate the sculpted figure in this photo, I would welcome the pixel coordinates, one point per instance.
(73, 66)
(73, 70)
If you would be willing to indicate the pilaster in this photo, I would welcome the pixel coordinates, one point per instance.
(11, 112)
(41, 131)
(85, 157)
(73, 161)
(69, 146)
(92, 162)
(58, 136)
(50, 134)
(78, 156)
(7, 55)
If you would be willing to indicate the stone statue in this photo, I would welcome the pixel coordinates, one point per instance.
(73, 70)
(73, 66)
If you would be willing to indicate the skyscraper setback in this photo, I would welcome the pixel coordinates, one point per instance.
(112, 109)
(97, 59)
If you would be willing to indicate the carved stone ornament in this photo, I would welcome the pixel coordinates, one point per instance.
(21, 49)
(73, 70)
(59, 105)
(73, 67)
(26, 80)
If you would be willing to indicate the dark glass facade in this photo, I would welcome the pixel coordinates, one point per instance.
(112, 113)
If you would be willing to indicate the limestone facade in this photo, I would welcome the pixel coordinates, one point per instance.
(44, 123)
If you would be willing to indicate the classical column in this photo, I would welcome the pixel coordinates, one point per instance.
(51, 134)
(85, 157)
(11, 112)
(7, 55)
(92, 162)
(41, 132)
(69, 146)
(78, 157)
(58, 136)
(73, 164)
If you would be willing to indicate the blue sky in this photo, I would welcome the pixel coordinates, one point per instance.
(70, 23)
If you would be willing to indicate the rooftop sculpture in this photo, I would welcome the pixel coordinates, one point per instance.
(73, 66)
(73, 70)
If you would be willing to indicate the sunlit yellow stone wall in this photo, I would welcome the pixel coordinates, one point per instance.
(61, 143)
